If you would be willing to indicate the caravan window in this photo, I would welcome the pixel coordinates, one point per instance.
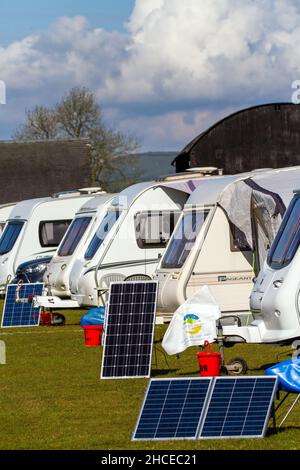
(74, 235)
(287, 239)
(183, 239)
(154, 229)
(106, 225)
(51, 232)
(9, 236)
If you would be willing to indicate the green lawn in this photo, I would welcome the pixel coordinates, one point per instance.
(51, 396)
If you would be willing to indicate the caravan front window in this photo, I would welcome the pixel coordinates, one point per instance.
(106, 225)
(287, 239)
(9, 236)
(74, 235)
(183, 239)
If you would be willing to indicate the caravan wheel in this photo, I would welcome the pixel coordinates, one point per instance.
(237, 366)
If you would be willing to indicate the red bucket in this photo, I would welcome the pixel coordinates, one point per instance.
(93, 335)
(45, 318)
(209, 361)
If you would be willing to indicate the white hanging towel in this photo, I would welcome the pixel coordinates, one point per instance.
(193, 323)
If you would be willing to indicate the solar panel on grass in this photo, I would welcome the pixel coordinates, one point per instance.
(203, 408)
(238, 407)
(172, 409)
(18, 309)
(129, 330)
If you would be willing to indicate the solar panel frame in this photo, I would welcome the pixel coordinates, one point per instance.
(105, 377)
(206, 408)
(208, 380)
(25, 287)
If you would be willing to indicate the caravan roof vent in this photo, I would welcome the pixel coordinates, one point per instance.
(192, 173)
(78, 192)
(206, 170)
(93, 190)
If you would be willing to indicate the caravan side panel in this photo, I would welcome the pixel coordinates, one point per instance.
(226, 270)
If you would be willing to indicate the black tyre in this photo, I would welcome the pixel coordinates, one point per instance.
(237, 366)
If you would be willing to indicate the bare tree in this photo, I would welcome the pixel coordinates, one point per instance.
(113, 153)
(78, 115)
(40, 124)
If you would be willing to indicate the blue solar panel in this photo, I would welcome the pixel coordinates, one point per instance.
(129, 330)
(206, 408)
(172, 409)
(238, 407)
(18, 308)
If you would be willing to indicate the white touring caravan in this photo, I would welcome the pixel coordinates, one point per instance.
(275, 299)
(5, 210)
(129, 240)
(216, 240)
(35, 228)
(74, 244)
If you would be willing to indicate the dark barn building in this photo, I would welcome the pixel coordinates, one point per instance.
(38, 169)
(266, 136)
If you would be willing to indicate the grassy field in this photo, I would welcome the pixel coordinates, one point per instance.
(52, 398)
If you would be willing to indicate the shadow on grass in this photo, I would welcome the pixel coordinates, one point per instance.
(262, 367)
(159, 372)
(190, 373)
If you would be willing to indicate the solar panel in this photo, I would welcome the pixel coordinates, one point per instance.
(238, 407)
(18, 307)
(172, 409)
(129, 330)
(204, 408)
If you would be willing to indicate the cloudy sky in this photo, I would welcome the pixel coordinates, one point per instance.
(162, 70)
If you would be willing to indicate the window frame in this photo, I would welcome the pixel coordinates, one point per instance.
(284, 262)
(10, 223)
(205, 212)
(141, 242)
(44, 222)
(72, 250)
(117, 210)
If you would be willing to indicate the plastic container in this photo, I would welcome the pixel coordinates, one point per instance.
(93, 335)
(209, 361)
(95, 316)
(45, 318)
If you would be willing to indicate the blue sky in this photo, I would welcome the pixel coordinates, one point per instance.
(176, 68)
(19, 18)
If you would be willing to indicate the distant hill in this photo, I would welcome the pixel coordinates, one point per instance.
(145, 166)
(154, 164)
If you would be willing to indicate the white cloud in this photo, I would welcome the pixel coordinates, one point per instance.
(177, 59)
(209, 50)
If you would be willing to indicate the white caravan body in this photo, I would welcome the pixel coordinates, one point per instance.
(235, 221)
(5, 210)
(74, 244)
(203, 251)
(34, 229)
(275, 299)
(130, 239)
